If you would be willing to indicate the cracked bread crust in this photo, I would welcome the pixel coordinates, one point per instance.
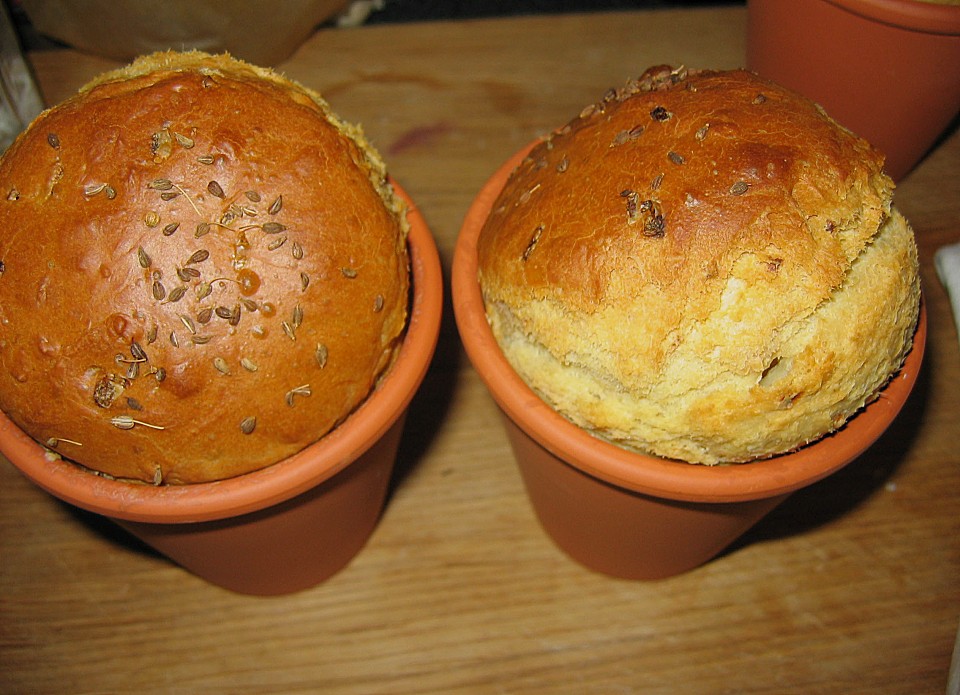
(702, 266)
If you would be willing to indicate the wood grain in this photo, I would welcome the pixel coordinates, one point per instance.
(850, 586)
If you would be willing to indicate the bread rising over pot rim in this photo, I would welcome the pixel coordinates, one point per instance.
(204, 271)
(702, 266)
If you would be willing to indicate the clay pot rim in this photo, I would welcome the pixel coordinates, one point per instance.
(281, 481)
(913, 15)
(634, 471)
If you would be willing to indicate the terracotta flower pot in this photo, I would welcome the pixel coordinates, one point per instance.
(626, 514)
(291, 525)
(889, 70)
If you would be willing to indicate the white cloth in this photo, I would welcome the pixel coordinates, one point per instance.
(947, 261)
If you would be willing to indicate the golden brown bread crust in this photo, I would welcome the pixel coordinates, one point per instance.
(204, 270)
(702, 266)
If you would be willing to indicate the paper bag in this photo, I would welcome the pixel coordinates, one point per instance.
(263, 33)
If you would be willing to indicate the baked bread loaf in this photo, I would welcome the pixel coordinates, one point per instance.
(202, 271)
(702, 266)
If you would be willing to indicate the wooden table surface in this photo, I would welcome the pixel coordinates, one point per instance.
(850, 586)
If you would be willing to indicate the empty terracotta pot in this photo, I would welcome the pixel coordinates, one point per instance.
(286, 527)
(622, 513)
(889, 70)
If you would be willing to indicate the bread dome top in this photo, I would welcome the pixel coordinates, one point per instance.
(661, 268)
(204, 270)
